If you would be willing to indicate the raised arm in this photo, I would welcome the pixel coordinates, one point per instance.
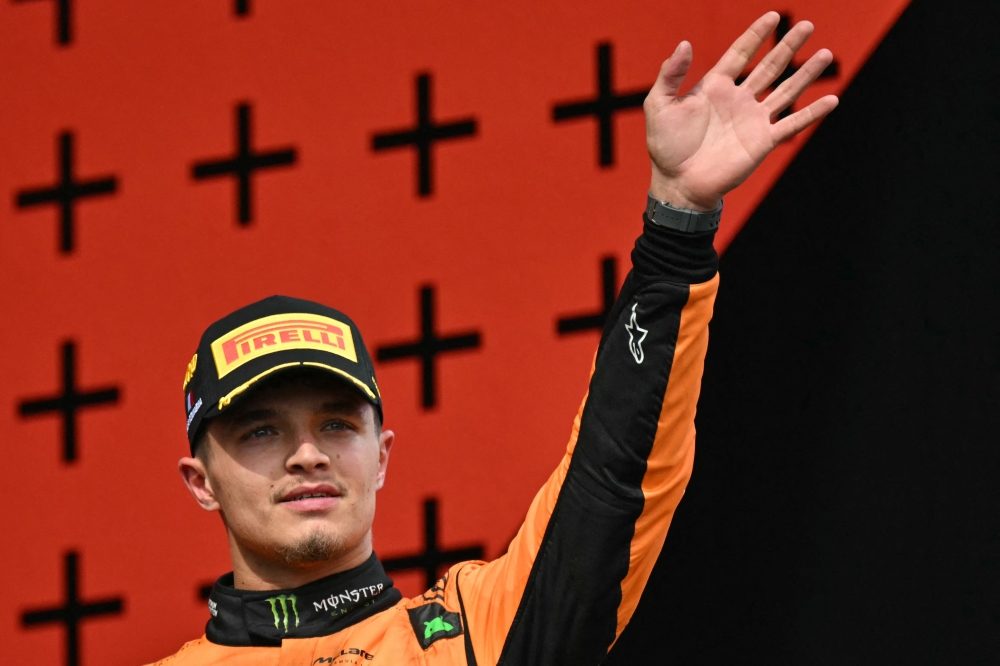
(573, 575)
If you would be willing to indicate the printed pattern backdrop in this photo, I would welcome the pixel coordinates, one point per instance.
(464, 180)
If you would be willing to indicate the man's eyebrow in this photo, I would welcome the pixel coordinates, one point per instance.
(343, 407)
(251, 416)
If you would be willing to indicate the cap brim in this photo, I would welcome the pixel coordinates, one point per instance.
(241, 391)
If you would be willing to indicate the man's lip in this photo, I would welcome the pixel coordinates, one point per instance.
(311, 489)
(311, 504)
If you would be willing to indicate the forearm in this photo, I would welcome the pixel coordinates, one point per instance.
(577, 567)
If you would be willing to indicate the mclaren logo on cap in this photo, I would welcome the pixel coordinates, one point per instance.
(280, 333)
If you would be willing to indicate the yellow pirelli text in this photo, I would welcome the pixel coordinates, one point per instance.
(280, 333)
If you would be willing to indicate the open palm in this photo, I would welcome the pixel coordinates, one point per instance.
(706, 142)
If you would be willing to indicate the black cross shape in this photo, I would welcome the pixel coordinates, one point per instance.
(66, 191)
(594, 321)
(433, 557)
(243, 164)
(784, 25)
(63, 11)
(428, 346)
(73, 612)
(242, 7)
(69, 401)
(424, 135)
(603, 107)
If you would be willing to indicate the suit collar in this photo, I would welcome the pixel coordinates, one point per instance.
(320, 608)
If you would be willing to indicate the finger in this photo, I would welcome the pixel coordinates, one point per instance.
(739, 55)
(786, 128)
(672, 72)
(796, 84)
(774, 63)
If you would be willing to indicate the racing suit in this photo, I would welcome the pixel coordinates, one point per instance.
(572, 576)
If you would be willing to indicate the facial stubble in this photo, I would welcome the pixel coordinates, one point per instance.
(317, 546)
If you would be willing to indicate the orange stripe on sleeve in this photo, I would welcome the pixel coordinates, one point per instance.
(669, 466)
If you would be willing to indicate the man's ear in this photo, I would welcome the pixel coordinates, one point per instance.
(195, 477)
(385, 441)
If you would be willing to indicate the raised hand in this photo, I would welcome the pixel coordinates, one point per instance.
(706, 142)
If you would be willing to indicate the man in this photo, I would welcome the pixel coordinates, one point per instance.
(285, 426)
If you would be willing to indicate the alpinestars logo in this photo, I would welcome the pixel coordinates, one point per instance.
(280, 606)
(636, 335)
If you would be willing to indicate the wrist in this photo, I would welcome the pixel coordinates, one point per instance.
(685, 220)
(668, 190)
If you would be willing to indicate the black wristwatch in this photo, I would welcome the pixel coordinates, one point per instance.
(681, 219)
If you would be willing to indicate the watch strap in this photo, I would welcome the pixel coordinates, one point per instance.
(682, 219)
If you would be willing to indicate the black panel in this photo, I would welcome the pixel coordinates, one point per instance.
(568, 614)
(844, 507)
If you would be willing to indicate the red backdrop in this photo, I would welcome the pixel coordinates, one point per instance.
(511, 238)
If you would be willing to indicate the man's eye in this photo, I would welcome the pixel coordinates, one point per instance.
(258, 433)
(337, 425)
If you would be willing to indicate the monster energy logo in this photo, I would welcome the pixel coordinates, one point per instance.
(282, 601)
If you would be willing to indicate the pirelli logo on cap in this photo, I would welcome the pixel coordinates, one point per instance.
(279, 333)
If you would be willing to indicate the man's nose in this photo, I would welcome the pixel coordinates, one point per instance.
(307, 456)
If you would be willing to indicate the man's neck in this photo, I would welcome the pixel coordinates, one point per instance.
(253, 572)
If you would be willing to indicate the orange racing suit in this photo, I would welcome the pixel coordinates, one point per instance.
(572, 576)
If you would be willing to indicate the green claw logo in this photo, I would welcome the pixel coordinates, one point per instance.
(283, 616)
(434, 626)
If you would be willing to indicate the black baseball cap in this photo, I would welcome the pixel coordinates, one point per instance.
(272, 335)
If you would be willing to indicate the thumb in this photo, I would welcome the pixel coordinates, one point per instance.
(672, 72)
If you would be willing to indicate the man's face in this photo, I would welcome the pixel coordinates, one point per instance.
(294, 469)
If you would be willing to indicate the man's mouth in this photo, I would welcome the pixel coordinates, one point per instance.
(303, 496)
(311, 498)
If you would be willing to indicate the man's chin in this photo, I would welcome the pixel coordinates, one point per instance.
(312, 548)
